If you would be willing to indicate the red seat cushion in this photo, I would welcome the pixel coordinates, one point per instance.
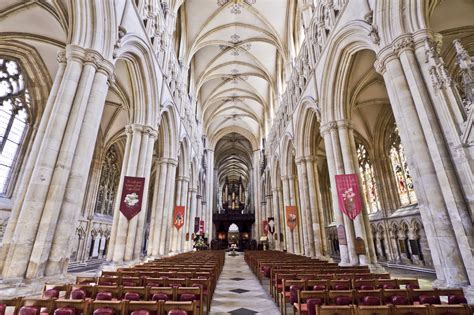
(390, 286)
(370, 300)
(160, 297)
(456, 299)
(140, 312)
(78, 294)
(177, 312)
(3, 307)
(319, 287)
(294, 293)
(343, 300)
(399, 300)
(104, 311)
(132, 296)
(104, 296)
(188, 297)
(29, 310)
(312, 303)
(429, 299)
(412, 286)
(65, 311)
(51, 294)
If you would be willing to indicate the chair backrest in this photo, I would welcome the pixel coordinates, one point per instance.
(131, 281)
(365, 284)
(410, 310)
(320, 284)
(408, 283)
(115, 291)
(154, 282)
(415, 294)
(55, 291)
(43, 306)
(369, 297)
(303, 296)
(189, 307)
(188, 292)
(103, 307)
(152, 307)
(169, 291)
(333, 310)
(108, 281)
(80, 307)
(371, 310)
(177, 282)
(340, 297)
(88, 290)
(340, 284)
(396, 296)
(449, 309)
(129, 293)
(387, 284)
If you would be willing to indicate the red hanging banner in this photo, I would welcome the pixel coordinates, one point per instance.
(291, 217)
(348, 194)
(265, 227)
(132, 193)
(201, 227)
(178, 217)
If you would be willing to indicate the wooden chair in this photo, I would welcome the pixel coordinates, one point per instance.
(410, 310)
(189, 307)
(141, 307)
(335, 310)
(109, 281)
(396, 296)
(408, 283)
(301, 306)
(286, 295)
(177, 282)
(35, 306)
(54, 291)
(372, 310)
(154, 282)
(6, 304)
(449, 309)
(278, 285)
(205, 285)
(317, 284)
(452, 296)
(387, 284)
(340, 285)
(365, 284)
(108, 292)
(106, 308)
(418, 296)
(71, 307)
(161, 294)
(185, 294)
(134, 293)
(81, 291)
(131, 281)
(340, 297)
(369, 297)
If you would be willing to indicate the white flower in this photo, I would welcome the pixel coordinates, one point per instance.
(131, 199)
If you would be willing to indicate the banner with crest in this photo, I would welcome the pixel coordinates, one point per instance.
(348, 194)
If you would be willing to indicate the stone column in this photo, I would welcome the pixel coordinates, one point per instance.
(169, 193)
(282, 218)
(307, 220)
(208, 210)
(276, 215)
(286, 202)
(192, 204)
(43, 192)
(257, 193)
(329, 132)
(128, 233)
(317, 212)
(431, 189)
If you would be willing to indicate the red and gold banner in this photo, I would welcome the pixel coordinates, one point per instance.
(178, 217)
(348, 194)
(265, 227)
(132, 193)
(291, 217)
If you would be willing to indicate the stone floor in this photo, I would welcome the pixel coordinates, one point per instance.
(239, 292)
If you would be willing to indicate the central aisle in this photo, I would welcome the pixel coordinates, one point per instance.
(239, 292)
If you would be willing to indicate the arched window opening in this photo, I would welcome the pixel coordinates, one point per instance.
(405, 187)
(109, 180)
(369, 187)
(14, 108)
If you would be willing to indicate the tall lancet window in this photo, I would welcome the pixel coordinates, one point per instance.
(406, 191)
(369, 187)
(14, 109)
(109, 180)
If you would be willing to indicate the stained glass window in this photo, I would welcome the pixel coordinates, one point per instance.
(405, 187)
(369, 187)
(109, 180)
(14, 105)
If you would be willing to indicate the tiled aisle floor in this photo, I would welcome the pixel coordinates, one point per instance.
(239, 292)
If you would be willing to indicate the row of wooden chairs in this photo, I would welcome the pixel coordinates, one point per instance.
(23, 306)
(388, 310)
(299, 297)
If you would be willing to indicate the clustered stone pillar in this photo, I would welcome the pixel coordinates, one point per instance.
(444, 214)
(190, 215)
(307, 219)
(127, 236)
(341, 161)
(208, 206)
(32, 246)
(276, 214)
